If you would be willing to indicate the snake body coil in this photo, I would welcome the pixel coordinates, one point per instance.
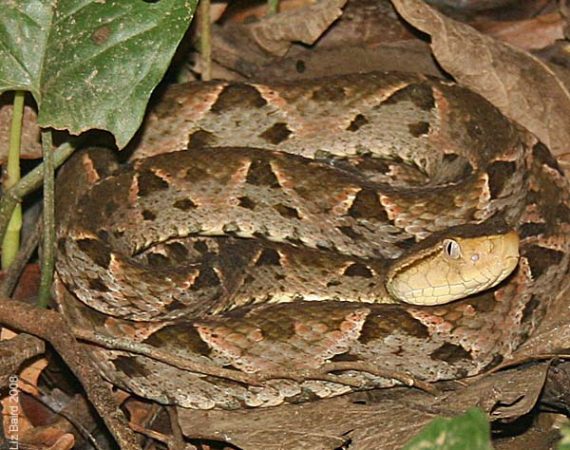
(304, 230)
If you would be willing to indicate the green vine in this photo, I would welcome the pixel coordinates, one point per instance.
(11, 239)
(273, 6)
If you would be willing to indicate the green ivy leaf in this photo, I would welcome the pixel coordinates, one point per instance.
(470, 431)
(90, 63)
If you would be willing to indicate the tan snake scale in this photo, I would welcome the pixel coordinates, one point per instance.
(265, 248)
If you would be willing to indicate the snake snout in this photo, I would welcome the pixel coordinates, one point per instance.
(511, 243)
(510, 255)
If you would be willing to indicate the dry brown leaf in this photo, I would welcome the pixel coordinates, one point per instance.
(392, 417)
(66, 424)
(65, 442)
(47, 437)
(15, 418)
(553, 333)
(368, 24)
(519, 84)
(31, 148)
(556, 392)
(531, 34)
(472, 5)
(217, 10)
(14, 351)
(275, 34)
(245, 11)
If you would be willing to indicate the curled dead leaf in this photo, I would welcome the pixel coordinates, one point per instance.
(275, 34)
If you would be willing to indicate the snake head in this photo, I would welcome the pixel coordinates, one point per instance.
(453, 268)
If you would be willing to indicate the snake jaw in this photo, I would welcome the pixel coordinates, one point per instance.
(438, 275)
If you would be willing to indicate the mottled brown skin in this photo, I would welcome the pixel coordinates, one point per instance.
(396, 163)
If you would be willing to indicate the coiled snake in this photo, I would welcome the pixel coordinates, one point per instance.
(311, 234)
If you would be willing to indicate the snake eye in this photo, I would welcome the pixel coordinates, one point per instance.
(451, 249)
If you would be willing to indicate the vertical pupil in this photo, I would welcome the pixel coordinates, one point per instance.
(450, 249)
